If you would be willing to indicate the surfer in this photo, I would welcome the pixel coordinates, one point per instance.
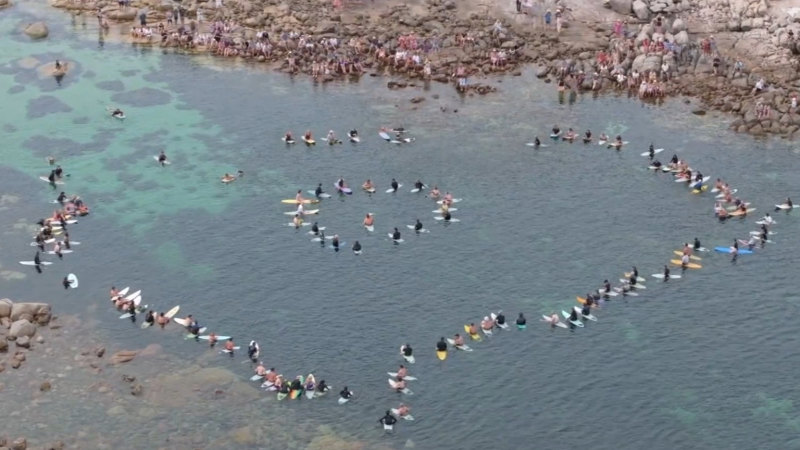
(52, 178)
(67, 284)
(227, 178)
(447, 216)
(331, 138)
(521, 320)
(356, 247)
(388, 420)
(162, 158)
(322, 386)
(500, 319)
(684, 261)
(441, 346)
(297, 221)
(149, 318)
(308, 136)
(400, 384)
(402, 372)
(656, 164)
(61, 197)
(434, 192)
(418, 226)
(117, 113)
(229, 347)
(666, 273)
(419, 185)
(57, 250)
(37, 262)
(318, 191)
(458, 340)
(472, 330)
(395, 185)
(674, 159)
(537, 142)
(288, 137)
(322, 238)
(606, 287)
(573, 317)
(162, 320)
(340, 183)
(260, 369)
(768, 220)
(353, 133)
(403, 410)
(586, 310)
(299, 197)
(603, 137)
(59, 172)
(300, 209)
(555, 131)
(407, 350)
(368, 186)
(315, 229)
(346, 393)
(487, 324)
(335, 242)
(687, 249)
(396, 234)
(212, 339)
(369, 220)
(65, 242)
(697, 245)
(734, 251)
(617, 142)
(651, 151)
(587, 136)
(253, 351)
(39, 240)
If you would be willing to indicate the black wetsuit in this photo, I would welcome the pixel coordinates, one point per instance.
(357, 247)
(252, 352)
(419, 185)
(61, 197)
(66, 283)
(395, 186)
(132, 311)
(315, 228)
(587, 310)
(335, 244)
(322, 238)
(697, 244)
(318, 191)
(321, 386)
(500, 319)
(521, 320)
(396, 235)
(345, 393)
(447, 216)
(407, 350)
(58, 172)
(573, 315)
(150, 317)
(388, 419)
(441, 346)
(537, 142)
(36, 260)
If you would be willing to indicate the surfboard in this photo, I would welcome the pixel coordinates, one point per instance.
(577, 323)
(290, 141)
(494, 317)
(549, 321)
(585, 316)
(702, 189)
(628, 293)
(50, 241)
(171, 313)
(439, 211)
(344, 190)
(387, 427)
(341, 244)
(742, 251)
(52, 252)
(355, 139)
(224, 350)
(306, 201)
(415, 190)
(43, 178)
(396, 241)
(475, 337)
(758, 232)
(182, 322)
(452, 220)
(256, 377)
(733, 191)
(343, 400)
(533, 144)
(660, 276)
(393, 190)
(219, 338)
(441, 354)
(385, 136)
(396, 412)
(521, 326)
(628, 275)
(455, 200)
(601, 142)
(617, 145)
(393, 384)
(59, 223)
(464, 347)
(407, 378)
(308, 212)
(32, 263)
(692, 257)
(421, 230)
(190, 335)
(786, 207)
(321, 195)
(309, 141)
(555, 135)
(677, 262)
(741, 213)
(655, 152)
(134, 295)
(165, 162)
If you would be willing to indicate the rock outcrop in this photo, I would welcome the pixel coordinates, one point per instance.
(36, 30)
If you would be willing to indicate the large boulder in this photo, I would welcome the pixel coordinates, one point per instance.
(641, 10)
(5, 307)
(38, 312)
(682, 38)
(678, 25)
(622, 6)
(36, 30)
(21, 328)
(123, 356)
(646, 62)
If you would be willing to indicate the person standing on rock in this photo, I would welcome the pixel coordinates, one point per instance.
(519, 6)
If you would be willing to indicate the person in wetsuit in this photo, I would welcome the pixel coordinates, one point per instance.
(150, 317)
(419, 185)
(418, 226)
(651, 151)
(441, 346)
(521, 319)
(396, 234)
(407, 350)
(335, 242)
(388, 419)
(666, 273)
(395, 185)
(500, 319)
(697, 245)
(357, 247)
(61, 197)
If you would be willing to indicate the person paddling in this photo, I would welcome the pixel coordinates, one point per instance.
(441, 346)
(162, 158)
(357, 248)
(521, 321)
(418, 226)
(666, 273)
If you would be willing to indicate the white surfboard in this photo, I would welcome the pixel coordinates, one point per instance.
(308, 212)
(585, 316)
(228, 351)
(533, 144)
(393, 384)
(638, 284)
(370, 228)
(290, 141)
(464, 347)
(355, 139)
(756, 233)
(655, 152)
(629, 293)
(785, 206)
(219, 338)
(134, 295)
(660, 276)
(322, 195)
(73, 280)
(421, 230)
(452, 220)
(343, 400)
(548, 320)
(51, 252)
(396, 241)
(165, 162)
(304, 224)
(407, 378)
(392, 190)
(32, 263)
(43, 178)
(577, 323)
(455, 200)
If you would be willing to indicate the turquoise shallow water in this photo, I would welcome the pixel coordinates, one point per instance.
(701, 363)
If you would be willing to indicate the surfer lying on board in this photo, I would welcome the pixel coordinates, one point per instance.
(227, 178)
(369, 220)
(297, 221)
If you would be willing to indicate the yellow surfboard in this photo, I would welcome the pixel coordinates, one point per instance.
(741, 213)
(702, 189)
(677, 262)
(171, 313)
(582, 301)
(692, 257)
(475, 337)
(306, 201)
(441, 354)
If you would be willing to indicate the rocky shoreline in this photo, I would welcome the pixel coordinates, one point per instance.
(651, 49)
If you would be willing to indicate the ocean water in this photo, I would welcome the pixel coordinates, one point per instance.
(702, 362)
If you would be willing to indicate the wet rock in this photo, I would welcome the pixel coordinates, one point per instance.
(3, 345)
(123, 356)
(45, 386)
(622, 6)
(137, 389)
(417, 99)
(15, 363)
(36, 30)
(19, 444)
(19, 356)
(4, 3)
(641, 10)
(116, 411)
(99, 351)
(24, 342)
(2, 367)
(34, 310)
(128, 378)
(21, 328)
(39, 339)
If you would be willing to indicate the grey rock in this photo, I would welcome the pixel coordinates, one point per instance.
(22, 328)
(37, 30)
(622, 6)
(24, 342)
(641, 9)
